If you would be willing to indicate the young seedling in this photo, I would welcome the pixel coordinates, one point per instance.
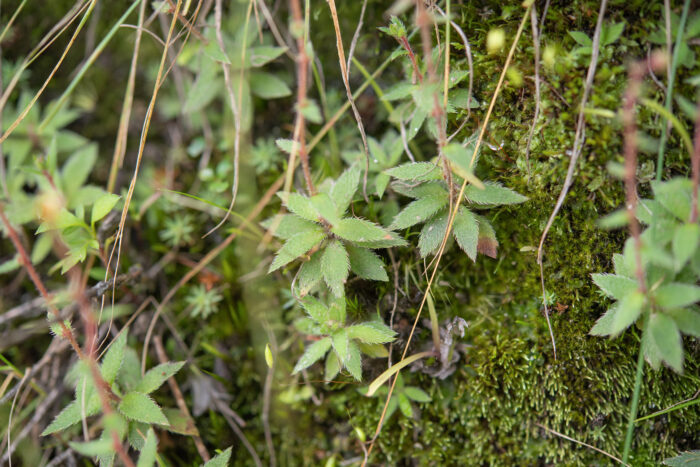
(333, 243)
(342, 343)
(426, 184)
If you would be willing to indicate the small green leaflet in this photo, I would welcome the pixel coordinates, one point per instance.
(615, 286)
(156, 376)
(295, 247)
(418, 211)
(371, 332)
(313, 353)
(366, 264)
(147, 458)
(493, 194)
(667, 339)
(114, 357)
(138, 406)
(335, 266)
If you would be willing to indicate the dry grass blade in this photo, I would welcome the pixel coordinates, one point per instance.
(29, 106)
(125, 116)
(453, 213)
(142, 145)
(348, 91)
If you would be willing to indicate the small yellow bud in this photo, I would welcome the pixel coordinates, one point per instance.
(49, 205)
(495, 41)
(549, 56)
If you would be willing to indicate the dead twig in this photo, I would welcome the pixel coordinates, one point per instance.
(576, 152)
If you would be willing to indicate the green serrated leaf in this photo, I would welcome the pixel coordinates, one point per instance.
(359, 230)
(685, 243)
(312, 354)
(466, 232)
(114, 358)
(344, 189)
(493, 194)
(296, 246)
(326, 208)
(288, 225)
(432, 233)
(335, 266)
(366, 264)
(416, 171)
(488, 244)
(310, 274)
(300, 205)
(684, 459)
(220, 460)
(71, 415)
(674, 195)
(354, 361)
(422, 190)
(676, 295)
(316, 310)
(615, 286)
(337, 310)
(620, 316)
(138, 406)
(332, 366)
(147, 457)
(156, 376)
(611, 33)
(667, 338)
(371, 332)
(97, 447)
(418, 211)
(373, 350)
(688, 321)
(340, 344)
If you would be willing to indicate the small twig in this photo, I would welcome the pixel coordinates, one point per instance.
(561, 435)
(536, 44)
(125, 116)
(346, 80)
(576, 152)
(470, 63)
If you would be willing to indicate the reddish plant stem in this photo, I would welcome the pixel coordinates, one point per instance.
(302, 78)
(27, 263)
(696, 166)
(407, 46)
(636, 73)
(104, 390)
